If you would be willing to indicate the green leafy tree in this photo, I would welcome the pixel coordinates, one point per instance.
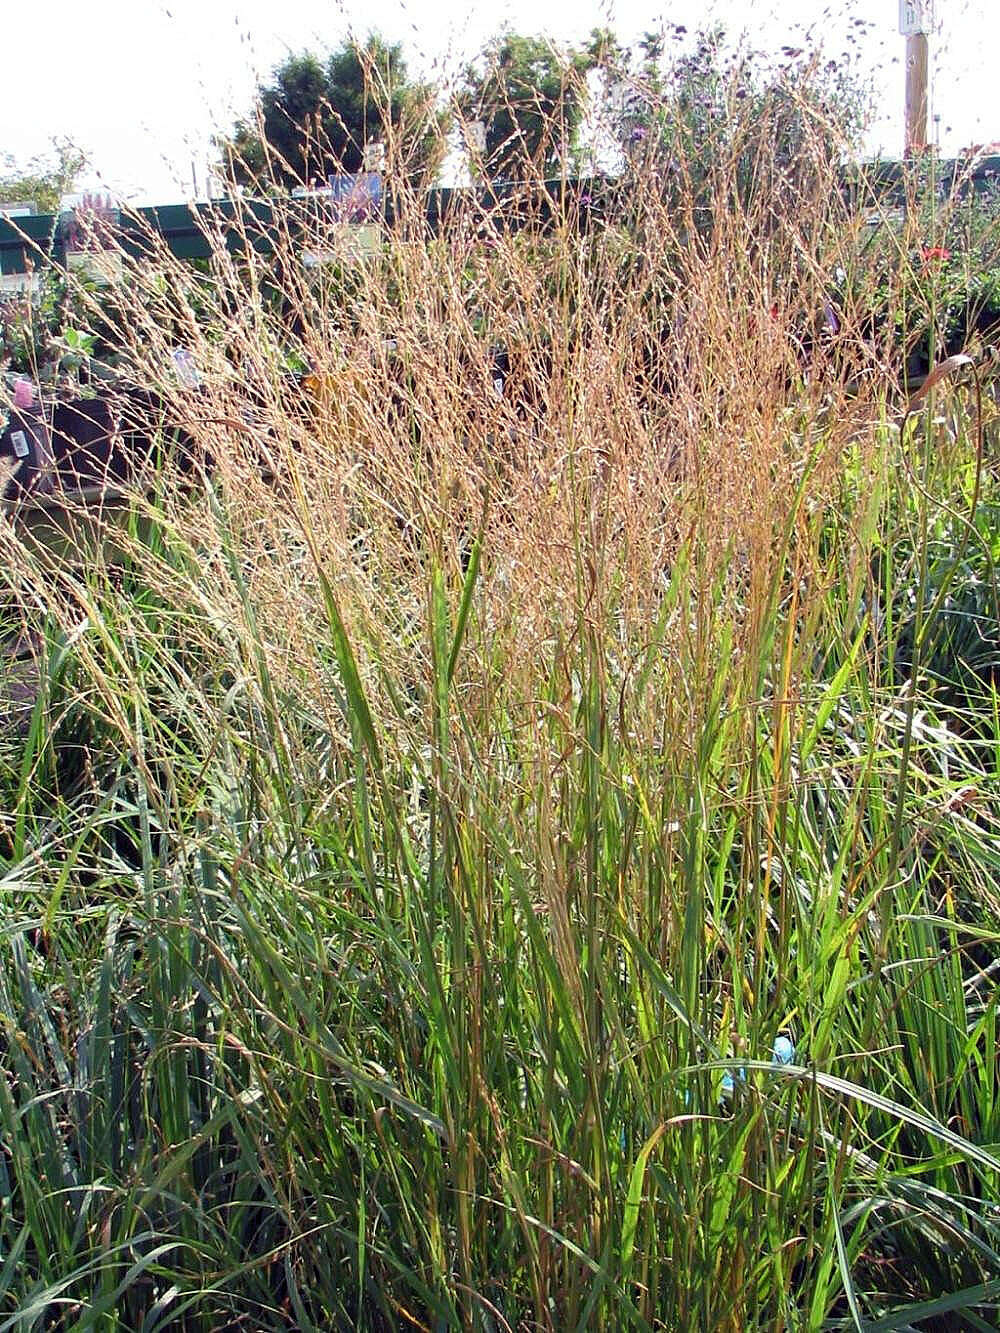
(42, 181)
(530, 96)
(317, 116)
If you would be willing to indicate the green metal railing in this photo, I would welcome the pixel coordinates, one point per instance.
(27, 243)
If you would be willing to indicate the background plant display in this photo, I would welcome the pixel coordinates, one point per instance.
(57, 332)
(528, 860)
(28, 325)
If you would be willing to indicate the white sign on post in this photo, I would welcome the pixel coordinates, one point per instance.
(915, 17)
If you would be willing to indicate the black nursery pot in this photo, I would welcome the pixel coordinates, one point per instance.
(26, 447)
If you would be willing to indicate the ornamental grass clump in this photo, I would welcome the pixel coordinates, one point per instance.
(481, 856)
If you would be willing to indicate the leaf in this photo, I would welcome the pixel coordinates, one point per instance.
(830, 1083)
(360, 713)
(911, 1315)
(941, 371)
(834, 690)
(468, 587)
(630, 1221)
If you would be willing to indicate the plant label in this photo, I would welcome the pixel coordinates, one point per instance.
(20, 442)
(187, 371)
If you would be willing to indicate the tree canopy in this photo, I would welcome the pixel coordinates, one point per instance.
(530, 96)
(318, 114)
(43, 180)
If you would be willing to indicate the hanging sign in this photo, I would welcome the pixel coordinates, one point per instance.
(916, 17)
(356, 198)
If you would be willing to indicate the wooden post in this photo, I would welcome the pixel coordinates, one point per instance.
(916, 94)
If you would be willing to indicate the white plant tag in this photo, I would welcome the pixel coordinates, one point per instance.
(187, 371)
(20, 442)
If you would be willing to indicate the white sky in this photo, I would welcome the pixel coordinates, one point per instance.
(141, 85)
